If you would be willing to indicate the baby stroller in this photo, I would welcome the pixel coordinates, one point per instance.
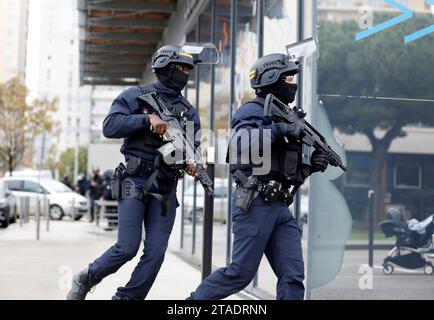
(414, 242)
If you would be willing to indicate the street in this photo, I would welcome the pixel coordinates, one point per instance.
(403, 284)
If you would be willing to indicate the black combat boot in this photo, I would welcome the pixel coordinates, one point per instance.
(82, 283)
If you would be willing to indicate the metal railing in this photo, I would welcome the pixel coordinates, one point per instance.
(107, 210)
(24, 209)
(41, 209)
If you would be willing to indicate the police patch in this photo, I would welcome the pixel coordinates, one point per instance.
(252, 74)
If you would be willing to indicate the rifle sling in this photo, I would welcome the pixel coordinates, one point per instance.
(148, 185)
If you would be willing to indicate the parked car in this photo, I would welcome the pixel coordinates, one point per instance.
(220, 201)
(63, 200)
(8, 207)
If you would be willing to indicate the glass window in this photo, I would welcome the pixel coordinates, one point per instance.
(55, 186)
(198, 92)
(222, 109)
(14, 185)
(246, 50)
(31, 186)
(359, 167)
(367, 94)
(407, 176)
(189, 192)
(428, 172)
(203, 96)
(280, 25)
(188, 202)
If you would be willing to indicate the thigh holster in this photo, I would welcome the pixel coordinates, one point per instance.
(129, 190)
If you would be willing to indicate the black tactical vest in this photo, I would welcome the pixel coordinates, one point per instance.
(286, 161)
(149, 142)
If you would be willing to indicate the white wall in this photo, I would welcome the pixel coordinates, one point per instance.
(104, 156)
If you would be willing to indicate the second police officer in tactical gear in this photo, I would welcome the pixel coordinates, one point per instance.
(263, 223)
(143, 135)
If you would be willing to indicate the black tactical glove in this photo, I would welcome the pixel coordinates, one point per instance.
(283, 129)
(319, 161)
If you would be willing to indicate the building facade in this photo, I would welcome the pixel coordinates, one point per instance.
(56, 73)
(101, 100)
(13, 39)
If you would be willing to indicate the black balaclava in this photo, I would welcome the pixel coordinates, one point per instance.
(172, 77)
(283, 91)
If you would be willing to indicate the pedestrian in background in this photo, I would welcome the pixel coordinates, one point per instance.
(66, 181)
(83, 184)
(96, 191)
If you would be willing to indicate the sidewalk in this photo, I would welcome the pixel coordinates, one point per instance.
(31, 269)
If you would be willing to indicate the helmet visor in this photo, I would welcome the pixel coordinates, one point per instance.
(302, 49)
(202, 53)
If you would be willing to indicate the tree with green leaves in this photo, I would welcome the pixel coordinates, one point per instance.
(21, 122)
(66, 165)
(377, 67)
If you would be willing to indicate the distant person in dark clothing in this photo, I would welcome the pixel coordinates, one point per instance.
(96, 191)
(83, 184)
(108, 177)
(111, 210)
(66, 181)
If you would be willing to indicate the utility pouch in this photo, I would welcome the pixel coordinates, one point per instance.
(290, 164)
(272, 191)
(116, 183)
(247, 193)
(128, 189)
(133, 166)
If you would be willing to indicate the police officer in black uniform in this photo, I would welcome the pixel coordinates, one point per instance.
(142, 132)
(266, 225)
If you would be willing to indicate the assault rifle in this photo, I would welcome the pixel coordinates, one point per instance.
(177, 138)
(277, 111)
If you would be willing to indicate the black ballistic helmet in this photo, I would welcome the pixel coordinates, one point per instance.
(171, 54)
(270, 68)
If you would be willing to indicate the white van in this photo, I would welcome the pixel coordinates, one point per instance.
(63, 200)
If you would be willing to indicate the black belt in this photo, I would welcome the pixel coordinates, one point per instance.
(147, 168)
(270, 191)
(151, 172)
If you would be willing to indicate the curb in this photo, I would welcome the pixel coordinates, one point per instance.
(365, 246)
